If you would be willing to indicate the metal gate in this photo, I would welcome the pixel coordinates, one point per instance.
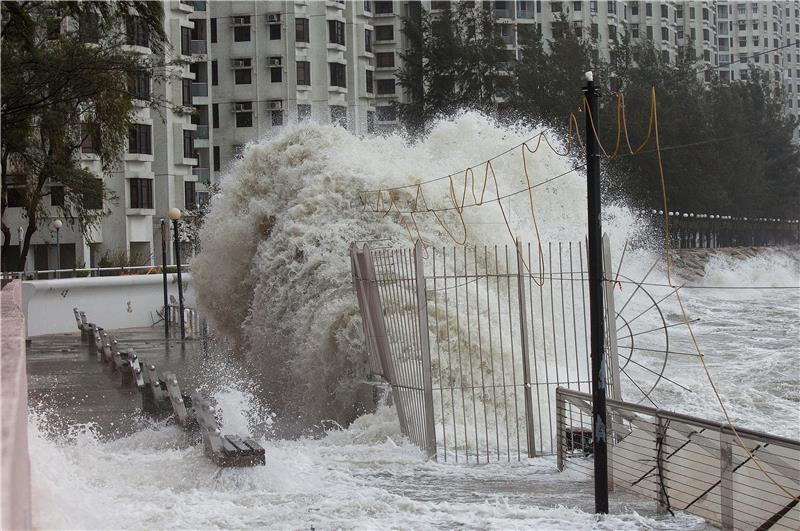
(475, 340)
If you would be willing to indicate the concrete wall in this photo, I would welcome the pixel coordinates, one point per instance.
(14, 461)
(112, 302)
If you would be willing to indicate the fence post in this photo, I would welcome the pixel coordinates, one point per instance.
(425, 350)
(561, 413)
(661, 484)
(726, 480)
(611, 318)
(526, 369)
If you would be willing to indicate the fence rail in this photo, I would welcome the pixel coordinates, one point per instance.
(687, 463)
(474, 342)
(49, 274)
(708, 231)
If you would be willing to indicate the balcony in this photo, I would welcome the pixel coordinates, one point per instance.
(199, 47)
(203, 174)
(199, 5)
(503, 13)
(200, 90)
(202, 132)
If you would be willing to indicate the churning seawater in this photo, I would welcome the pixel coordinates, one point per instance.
(274, 275)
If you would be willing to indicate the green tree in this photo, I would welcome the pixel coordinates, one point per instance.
(68, 79)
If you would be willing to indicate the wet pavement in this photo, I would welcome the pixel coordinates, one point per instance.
(67, 382)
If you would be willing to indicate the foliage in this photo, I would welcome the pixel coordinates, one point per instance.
(121, 258)
(453, 62)
(67, 81)
(728, 146)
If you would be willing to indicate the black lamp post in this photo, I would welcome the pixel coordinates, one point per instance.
(175, 214)
(164, 239)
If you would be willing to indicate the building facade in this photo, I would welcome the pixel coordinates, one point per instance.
(252, 67)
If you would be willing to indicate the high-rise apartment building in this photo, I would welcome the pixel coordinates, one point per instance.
(254, 66)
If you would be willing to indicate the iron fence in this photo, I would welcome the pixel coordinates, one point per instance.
(474, 342)
(687, 463)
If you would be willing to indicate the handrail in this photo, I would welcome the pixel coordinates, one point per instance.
(687, 419)
(147, 270)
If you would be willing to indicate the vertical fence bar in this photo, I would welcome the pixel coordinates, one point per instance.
(661, 483)
(726, 480)
(561, 412)
(425, 350)
(526, 369)
(611, 317)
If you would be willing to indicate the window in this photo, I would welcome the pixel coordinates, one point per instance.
(679, 11)
(742, 25)
(88, 138)
(339, 115)
(241, 29)
(338, 75)
(186, 92)
(635, 31)
(189, 195)
(383, 8)
(303, 73)
(141, 193)
(186, 41)
(648, 9)
(301, 30)
(274, 32)
(705, 35)
(386, 86)
(384, 59)
(214, 73)
(707, 55)
(336, 32)
(242, 71)
(277, 118)
(216, 161)
(275, 70)
(384, 33)
(693, 34)
(386, 113)
(592, 8)
(139, 85)
(595, 31)
(370, 82)
(15, 196)
(367, 6)
(57, 195)
(93, 195)
(650, 32)
(635, 8)
(188, 145)
(577, 6)
(213, 30)
(665, 56)
(88, 28)
(136, 32)
(664, 11)
(691, 13)
(139, 139)
(556, 7)
(368, 40)
(705, 13)
(743, 41)
(215, 115)
(303, 112)
(665, 34)
(244, 113)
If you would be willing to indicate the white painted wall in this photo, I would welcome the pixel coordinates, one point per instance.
(111, 302)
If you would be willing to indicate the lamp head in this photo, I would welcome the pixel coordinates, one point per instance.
(57, 224)
(589, 76)
(174, 214)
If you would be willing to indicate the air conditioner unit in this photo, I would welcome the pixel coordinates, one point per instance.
(274, 18)
(241, 107)
(275, 105)
(275, 61)
(240, 63)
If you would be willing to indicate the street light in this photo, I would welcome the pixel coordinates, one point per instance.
(57, 226)
(175, 214)
(164, 240)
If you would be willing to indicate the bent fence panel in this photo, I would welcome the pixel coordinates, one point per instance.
(690, 464)
(475, 340)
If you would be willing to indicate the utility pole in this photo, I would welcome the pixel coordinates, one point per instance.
(595, 249)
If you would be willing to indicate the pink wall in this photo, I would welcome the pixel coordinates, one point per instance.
(14, 461)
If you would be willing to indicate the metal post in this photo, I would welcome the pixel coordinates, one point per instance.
(58, 252)
(596, 302)
(20, 235)
(526, 368)
(726, 480)
(180, 281)
(164, 238)
(425, 350)
(561, 413)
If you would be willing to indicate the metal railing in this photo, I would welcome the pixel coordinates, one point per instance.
(49, 274)
(203, 174)
(687, 463)
(202, 132)
(199, 46)
(195, 325)
(474, 346)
